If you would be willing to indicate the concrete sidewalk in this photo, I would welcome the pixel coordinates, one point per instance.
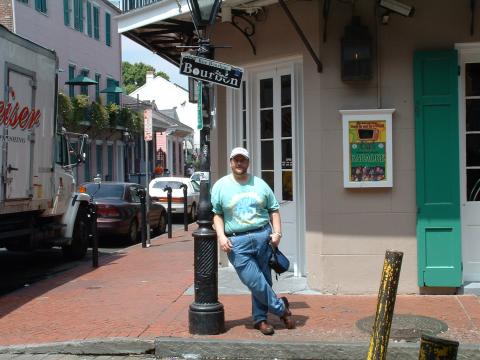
(137, 302)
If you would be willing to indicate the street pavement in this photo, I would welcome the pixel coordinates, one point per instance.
(136, 304)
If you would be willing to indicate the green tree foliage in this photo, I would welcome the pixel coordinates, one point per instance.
(134, 75)
(65, 110)
(163, 75)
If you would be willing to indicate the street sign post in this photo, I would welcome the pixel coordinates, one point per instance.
(211, 71)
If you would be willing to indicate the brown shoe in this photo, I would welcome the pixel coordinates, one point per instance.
(287, 316)
(264, 327)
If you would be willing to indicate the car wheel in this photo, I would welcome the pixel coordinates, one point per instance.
(133, 232)
(162, 223)
(193, 213)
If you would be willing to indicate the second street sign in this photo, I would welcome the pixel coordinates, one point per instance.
(211, 71)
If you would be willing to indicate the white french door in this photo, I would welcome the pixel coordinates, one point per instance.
(265, 117)
(274, 134)
(469, 105)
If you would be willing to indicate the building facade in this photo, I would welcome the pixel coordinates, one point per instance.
(84, 35)
(413, 72)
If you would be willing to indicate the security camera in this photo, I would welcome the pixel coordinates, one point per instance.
(398, 7)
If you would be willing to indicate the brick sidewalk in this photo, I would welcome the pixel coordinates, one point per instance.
(139, 293)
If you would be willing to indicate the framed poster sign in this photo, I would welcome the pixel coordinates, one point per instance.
(367, 148)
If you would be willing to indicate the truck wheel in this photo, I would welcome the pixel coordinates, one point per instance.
(78, 248)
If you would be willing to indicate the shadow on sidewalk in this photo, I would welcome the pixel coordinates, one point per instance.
(64, 272)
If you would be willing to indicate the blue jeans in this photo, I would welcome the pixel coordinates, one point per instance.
(249, 256)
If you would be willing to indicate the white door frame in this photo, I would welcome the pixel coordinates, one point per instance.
(467, 52)
(234, 131)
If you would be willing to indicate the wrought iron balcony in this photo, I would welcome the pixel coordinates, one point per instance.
(129, 5)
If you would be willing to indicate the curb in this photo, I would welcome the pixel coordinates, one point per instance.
(244, 349)
(182, 348)
(108, 346)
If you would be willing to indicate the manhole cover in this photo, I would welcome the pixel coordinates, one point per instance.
(407, 327)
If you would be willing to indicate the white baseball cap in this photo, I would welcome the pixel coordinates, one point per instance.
(239, 151)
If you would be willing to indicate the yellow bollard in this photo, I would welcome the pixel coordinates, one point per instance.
(433, 348)
(385, 305)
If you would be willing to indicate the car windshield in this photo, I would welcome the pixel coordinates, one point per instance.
(173, 184)
(105, 191)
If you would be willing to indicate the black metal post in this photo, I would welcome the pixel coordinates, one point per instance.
(142, 194)
(206, 314)
(185, 213)
(168, 189)
(92, 218)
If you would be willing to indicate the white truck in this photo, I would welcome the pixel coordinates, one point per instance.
(39, 207)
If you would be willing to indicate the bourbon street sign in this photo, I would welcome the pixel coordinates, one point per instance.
(212, 71)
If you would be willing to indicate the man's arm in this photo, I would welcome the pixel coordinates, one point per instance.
(225, 243)
(276, 227)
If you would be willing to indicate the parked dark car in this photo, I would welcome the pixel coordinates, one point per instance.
(119, 212)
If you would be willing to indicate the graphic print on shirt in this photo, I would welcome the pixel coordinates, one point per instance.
(244, 207)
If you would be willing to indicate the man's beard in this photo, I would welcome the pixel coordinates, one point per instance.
(239, 171)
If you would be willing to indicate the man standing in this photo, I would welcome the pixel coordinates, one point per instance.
(244, 206)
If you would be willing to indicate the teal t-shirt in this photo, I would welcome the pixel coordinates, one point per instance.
(244, 207)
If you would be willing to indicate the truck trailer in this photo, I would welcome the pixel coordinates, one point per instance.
(39, 205)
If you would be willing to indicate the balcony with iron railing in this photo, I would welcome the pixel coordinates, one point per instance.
(129, 5)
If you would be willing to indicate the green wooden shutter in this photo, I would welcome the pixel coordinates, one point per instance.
(110, 96)
(437, 168)
(107, 29)
(84, 88)
(71, 75)
(41, 5)
(76, 14)
(97, 87)
(66, 12)
(96, 23)
(80, 16)
(89, 18)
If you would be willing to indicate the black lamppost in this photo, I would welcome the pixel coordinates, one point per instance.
(206, 315)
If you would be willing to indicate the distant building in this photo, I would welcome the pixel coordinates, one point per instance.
(168, 95)
(84, 35)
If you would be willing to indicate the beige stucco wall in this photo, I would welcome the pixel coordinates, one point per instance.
(348, 230)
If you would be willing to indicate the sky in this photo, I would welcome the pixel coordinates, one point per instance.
(134, 53)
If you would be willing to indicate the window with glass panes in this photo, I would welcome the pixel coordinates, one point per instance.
(472, 130)
(276, 135)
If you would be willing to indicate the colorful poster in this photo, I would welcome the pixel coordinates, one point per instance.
(367, 143)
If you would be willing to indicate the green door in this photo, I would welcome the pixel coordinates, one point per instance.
(437, 168)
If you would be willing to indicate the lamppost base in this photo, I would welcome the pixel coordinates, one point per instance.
(206, 319)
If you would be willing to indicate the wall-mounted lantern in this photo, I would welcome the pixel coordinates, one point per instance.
(356, 53)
